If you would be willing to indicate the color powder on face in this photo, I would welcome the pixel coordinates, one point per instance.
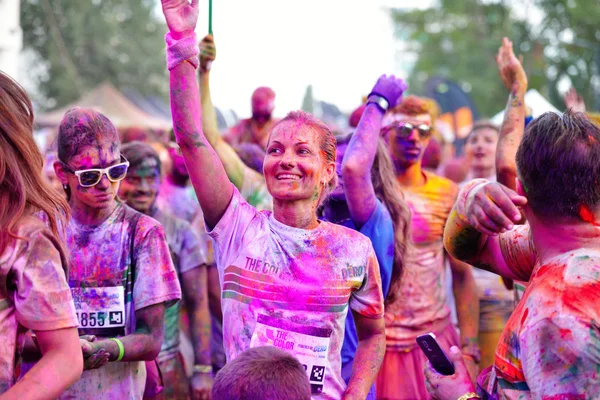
(587, 215)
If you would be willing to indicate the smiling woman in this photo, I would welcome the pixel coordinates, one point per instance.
(307, 300)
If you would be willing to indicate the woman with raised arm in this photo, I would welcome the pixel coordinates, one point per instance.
(369, 199)
(33, 285)
(287, 279)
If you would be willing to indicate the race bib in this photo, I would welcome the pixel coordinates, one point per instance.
(308, 344)
(100, 307)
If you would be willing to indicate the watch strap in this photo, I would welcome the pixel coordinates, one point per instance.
(381, 102)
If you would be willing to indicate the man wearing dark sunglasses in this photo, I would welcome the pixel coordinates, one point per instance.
(408, 128)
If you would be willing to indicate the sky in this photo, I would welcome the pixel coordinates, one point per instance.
(339, 47)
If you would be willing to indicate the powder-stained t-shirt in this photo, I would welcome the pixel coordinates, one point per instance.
(291, 288)
(99, 257)
(550, 348)
(187, 253)
(421, 304)
(33, 292)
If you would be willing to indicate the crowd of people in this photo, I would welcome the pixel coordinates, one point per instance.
(286, 260)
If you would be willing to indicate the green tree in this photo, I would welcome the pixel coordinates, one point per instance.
(571, 30)
(457, 39)
(80, 44)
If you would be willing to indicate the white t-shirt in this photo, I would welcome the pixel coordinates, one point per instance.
(291, 288)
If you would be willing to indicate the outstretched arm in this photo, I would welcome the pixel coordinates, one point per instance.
(482, 211)
(206, 171)
(360, 154)
(511, 132)
(60, 366)
(234, 166)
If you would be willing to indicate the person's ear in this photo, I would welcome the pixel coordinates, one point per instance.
(61, 172)
(329, 172)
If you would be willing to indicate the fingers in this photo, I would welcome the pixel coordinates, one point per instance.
(494, 209)
(97, 360)
(459, 363)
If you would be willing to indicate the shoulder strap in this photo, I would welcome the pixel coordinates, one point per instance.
(131, 267)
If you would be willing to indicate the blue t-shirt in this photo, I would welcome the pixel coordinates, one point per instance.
(380, 230)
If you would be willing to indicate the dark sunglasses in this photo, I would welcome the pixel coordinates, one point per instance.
(404, 129)
(91, 177)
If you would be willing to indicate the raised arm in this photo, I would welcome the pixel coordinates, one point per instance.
(234, 166)
(206, 171)
(360, 154)
(482, 211)
(511, 132)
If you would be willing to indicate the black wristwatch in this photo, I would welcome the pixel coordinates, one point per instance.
(380, 101)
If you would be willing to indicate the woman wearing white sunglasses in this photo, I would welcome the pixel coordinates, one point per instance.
(121, 275)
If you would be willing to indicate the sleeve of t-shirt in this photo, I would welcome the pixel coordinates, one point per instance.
(560, 358)
(42, 297)
(155, 277)
(368, 300)
(232, 232)
(193, 252)
(380, 229)
(518, 251)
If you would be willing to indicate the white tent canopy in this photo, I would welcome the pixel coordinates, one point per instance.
(535, 101)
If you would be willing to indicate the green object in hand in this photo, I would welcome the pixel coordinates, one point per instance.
(210, 17)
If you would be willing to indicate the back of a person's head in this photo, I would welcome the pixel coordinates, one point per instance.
(558, 163)
(23, 189)
(262, 373)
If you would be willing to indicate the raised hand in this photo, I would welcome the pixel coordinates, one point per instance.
(493, 208)
(510, 69)
(208, 53)
(574, 101)
(181, 16)
(390, 87)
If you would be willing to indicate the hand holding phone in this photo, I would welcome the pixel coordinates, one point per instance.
(434, 353)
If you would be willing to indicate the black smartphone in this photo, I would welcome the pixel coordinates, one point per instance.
(437, 357)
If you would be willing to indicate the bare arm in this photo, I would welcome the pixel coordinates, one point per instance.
(467, 310)
(206, 171)
(195, 293)
(482, 211)
(234, 166)
(356, 167)
(361, 151)
(368, 358)
(511, 132)
(60, 366)
(142, 345)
